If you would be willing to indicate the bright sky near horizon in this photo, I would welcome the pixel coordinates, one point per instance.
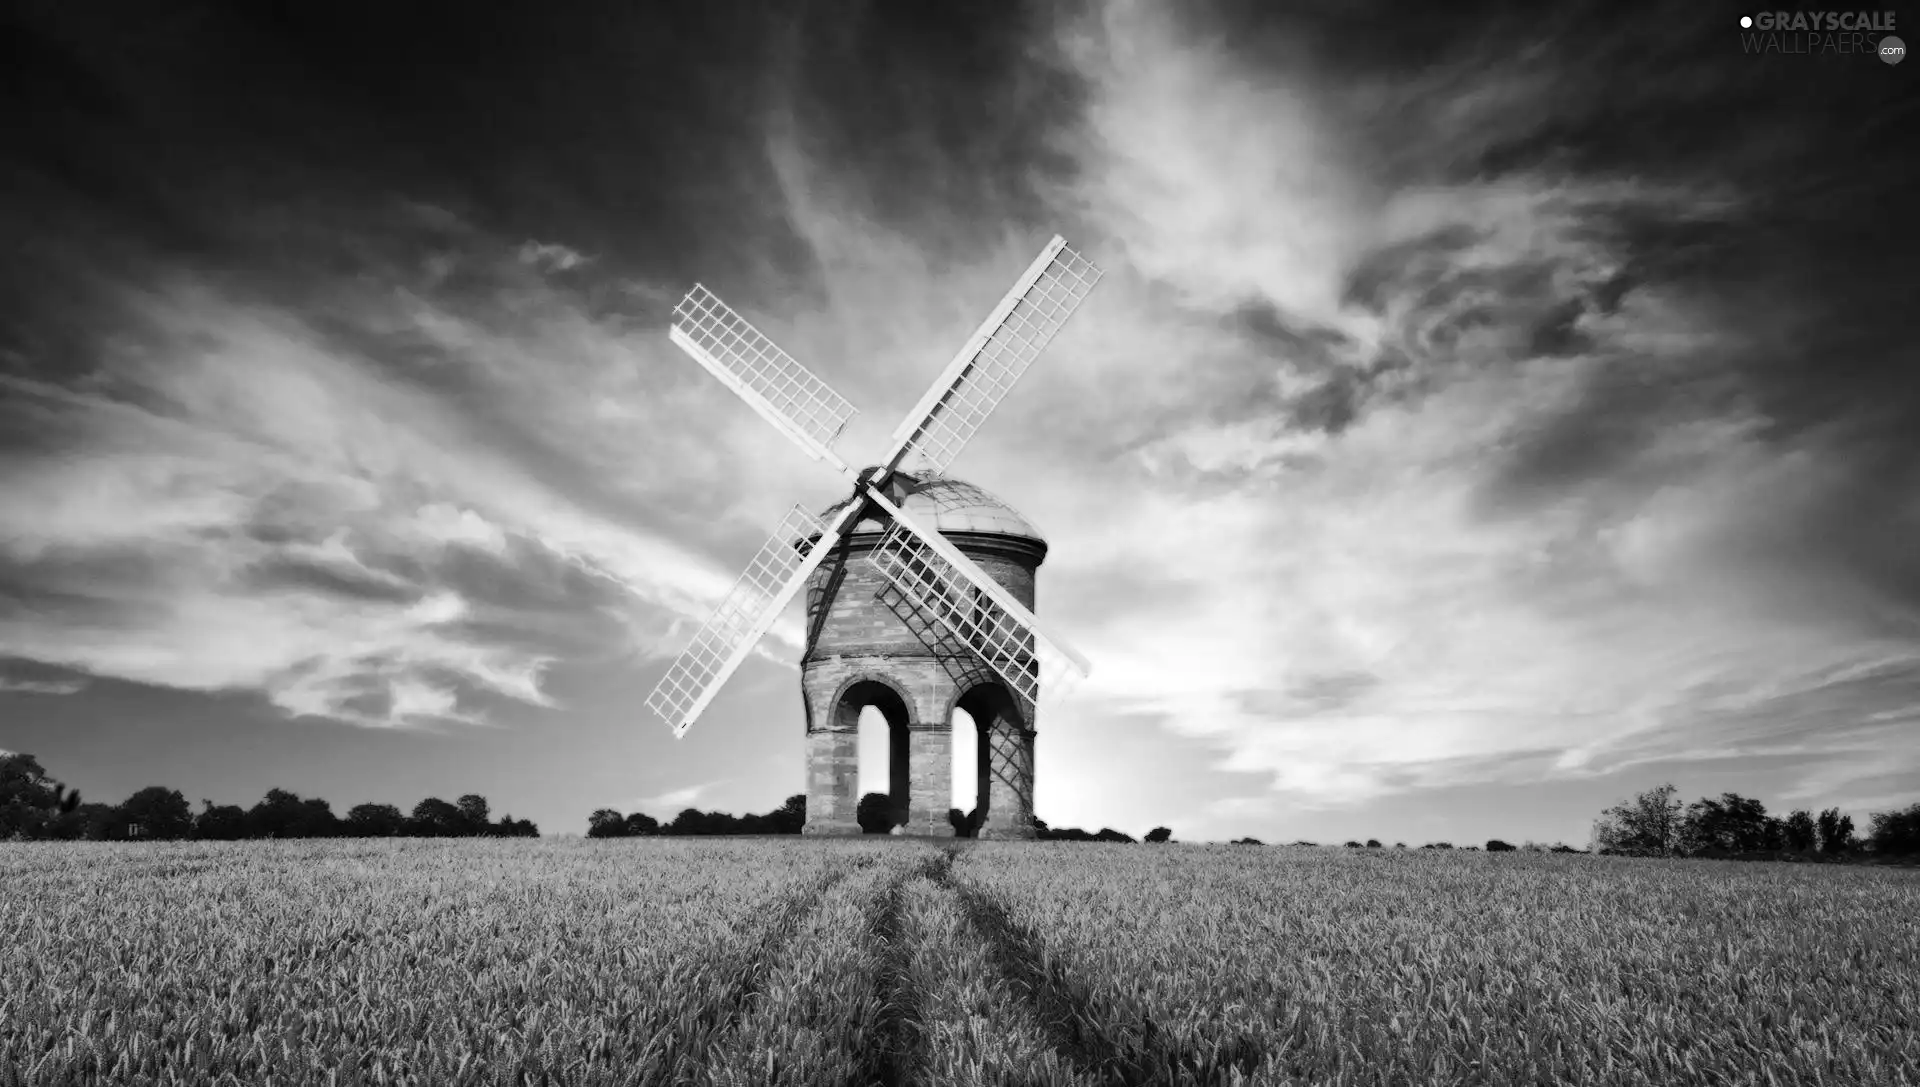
(1486, 414)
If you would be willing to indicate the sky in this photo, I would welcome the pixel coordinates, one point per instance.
(1487, 413)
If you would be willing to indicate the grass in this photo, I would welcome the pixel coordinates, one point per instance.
(889, 962)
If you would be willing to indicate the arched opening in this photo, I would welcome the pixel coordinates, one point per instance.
(999, 770)
(966, 753)
(879, 714)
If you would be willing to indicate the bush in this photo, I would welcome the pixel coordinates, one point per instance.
(1895, 833)
(1159, 834)
(1495, 845)
(1246, 841)
(877, 814)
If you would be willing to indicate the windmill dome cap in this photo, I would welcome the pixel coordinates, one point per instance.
(951, 505)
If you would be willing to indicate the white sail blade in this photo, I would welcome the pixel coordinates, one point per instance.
(978, 610)
(777, 572)
(1011, 337)
(785, 393)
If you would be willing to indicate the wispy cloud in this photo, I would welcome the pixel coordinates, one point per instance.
(352, 517)
(1473, 490)
(673, 801)
(41, 686)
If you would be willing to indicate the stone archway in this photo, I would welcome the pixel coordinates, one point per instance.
(1003, 763)
(919, 760)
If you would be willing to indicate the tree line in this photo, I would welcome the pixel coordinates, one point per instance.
(877, 813)
(33, 806)
(1657, 824)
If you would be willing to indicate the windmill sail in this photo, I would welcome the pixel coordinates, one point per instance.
(980, 376)
(755, 602)
(978, 610)
(785, 393)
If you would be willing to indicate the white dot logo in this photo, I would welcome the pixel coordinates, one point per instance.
(1746, 21)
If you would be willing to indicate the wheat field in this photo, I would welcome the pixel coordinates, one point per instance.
(791, 961)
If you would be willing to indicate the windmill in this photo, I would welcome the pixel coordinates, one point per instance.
(947, 592)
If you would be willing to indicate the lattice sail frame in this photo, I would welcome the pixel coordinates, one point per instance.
(772, 382)
(777, 571)
(1005, 344)
(1031, 666)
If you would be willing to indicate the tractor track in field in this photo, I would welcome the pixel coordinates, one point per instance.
(1064, 1010)
(896, 1061)
(721, 1017)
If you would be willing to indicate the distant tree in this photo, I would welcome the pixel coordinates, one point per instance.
(317, 819)
(435, 818)
(876, 813)
(1647, 825)
(475, 812)
(220, 822)
(1836, 831)
(1399, 845)
(1303, 841)
(606, 823)
(162, 813)
(639, 825)
(29, 799)
(23, 780)
(1246, 841)
(509, 827)
(1438, 845)
(1495, 845)
(277, 815)
(1159, 834)
(790, 817)
(1353, 844)
(1895, 833)
(1799, 831)
(1731, 824)
(693, 821)
(374, 821)
(957, 819)
(1108, 834)
(1561, 847)
(1373, 843)
(1040, 828)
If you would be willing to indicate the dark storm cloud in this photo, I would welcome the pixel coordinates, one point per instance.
(942, 116)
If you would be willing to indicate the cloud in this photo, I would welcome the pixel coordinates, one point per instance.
(238, 497)
(1431, 474)
(550, 256)
(41, 686)
(675, 801)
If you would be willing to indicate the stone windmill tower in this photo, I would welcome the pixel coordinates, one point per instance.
(867, 646)
(921, 586)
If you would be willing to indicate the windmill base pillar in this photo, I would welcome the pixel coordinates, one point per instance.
(833, 769)
(930, 766)
(1009, 802)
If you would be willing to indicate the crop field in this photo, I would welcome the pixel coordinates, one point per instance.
(744, 961)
